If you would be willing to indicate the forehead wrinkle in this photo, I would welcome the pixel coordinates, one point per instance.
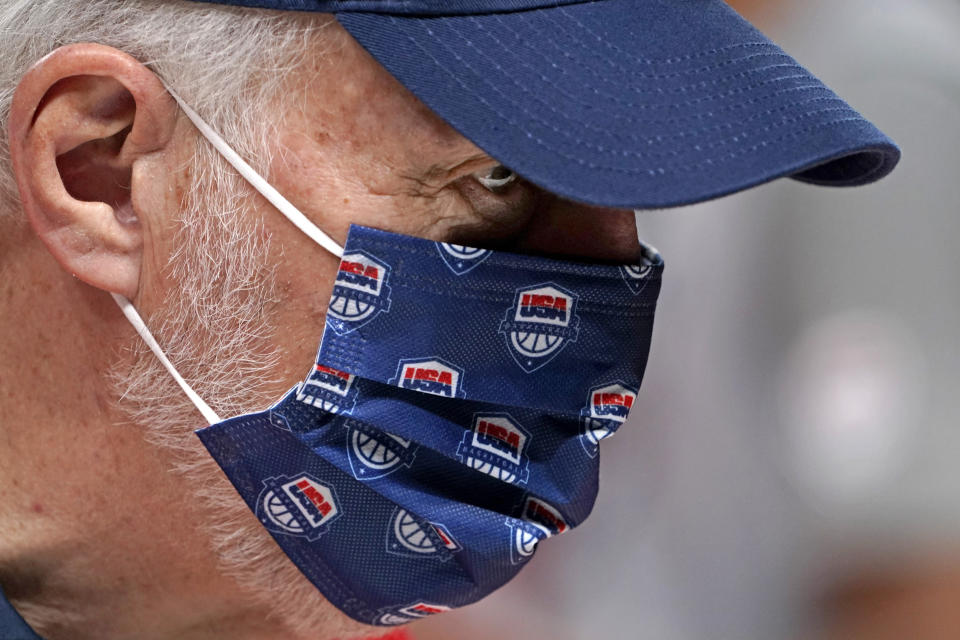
(438, 176)
(470, 164)
(443, 212)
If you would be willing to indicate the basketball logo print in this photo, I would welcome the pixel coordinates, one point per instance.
(496, 446)
(430, 375)
(538, 521)
(299, 506)
(635, 275)
(409, 613)
(391, 619)
(422, 610)
(374, 454)
(607, 408)
(329, 390)
(360, 292)
(461, 259)
(542, 321)
(412, 536)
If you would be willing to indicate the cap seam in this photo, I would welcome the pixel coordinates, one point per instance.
(633, 138)
(584, 143)
(775, 52)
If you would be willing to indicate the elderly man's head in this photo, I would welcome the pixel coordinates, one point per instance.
(114, 522)
(118, 193)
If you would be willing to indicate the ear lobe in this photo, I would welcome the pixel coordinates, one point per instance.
(81, 119)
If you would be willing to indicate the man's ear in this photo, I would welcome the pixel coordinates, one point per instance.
(81, 118)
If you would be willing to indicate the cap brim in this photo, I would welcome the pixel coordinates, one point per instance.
(629, 103)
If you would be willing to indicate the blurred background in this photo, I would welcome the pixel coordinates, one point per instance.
(791, 468)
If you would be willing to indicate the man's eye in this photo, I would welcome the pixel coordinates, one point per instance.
(496, 179)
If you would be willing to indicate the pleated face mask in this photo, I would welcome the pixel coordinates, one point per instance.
(451, 421)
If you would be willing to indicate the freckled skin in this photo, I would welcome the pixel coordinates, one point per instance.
(85, 498)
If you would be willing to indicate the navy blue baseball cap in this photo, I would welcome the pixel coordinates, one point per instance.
(621, 103)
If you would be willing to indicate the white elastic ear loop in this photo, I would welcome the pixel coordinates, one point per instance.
(140, 326)
(636, 222)
(650, 252)
(283, 205)
(267, 191)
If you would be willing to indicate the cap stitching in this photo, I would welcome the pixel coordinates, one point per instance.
(577, 40)
(617, 169)
(600, 148)
(634, 89)
(650, 61)
(729, 93)
(682, 134)
(776, 52)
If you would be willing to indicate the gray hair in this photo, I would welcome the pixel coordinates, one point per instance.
(226, 62)
(229, 64)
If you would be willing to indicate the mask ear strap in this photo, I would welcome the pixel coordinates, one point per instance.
(140, 326)
(650, 253)
(273, 196)
(257, 181)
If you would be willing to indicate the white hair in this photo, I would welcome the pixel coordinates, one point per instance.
(229, 64)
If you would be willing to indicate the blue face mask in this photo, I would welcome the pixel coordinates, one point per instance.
(451, 420)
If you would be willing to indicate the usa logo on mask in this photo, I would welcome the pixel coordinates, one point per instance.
(374, 454)
(430, 375)
(298, 506)
(537, 522)
(329, 390)
(360, 292)
(636, 276)
(496, 446)
(410, 613)
(390, 619)
(607, 408)
(422, 610)
(541, 323)
(415, 537)
(461, 259)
